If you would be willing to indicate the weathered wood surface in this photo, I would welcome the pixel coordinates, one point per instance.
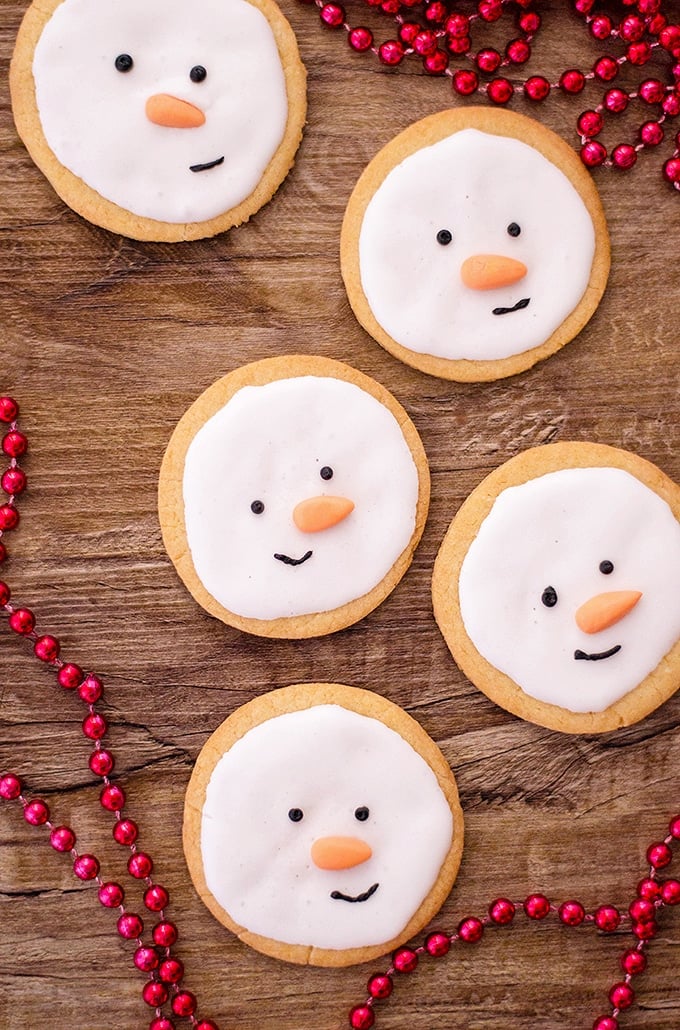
(105, 342)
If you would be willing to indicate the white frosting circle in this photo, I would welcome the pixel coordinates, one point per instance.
(269, 443)
(475, 185)
(93, 116)
(555, 531)
(328, 762)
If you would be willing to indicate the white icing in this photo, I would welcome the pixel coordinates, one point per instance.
(94, 119)
(554, 531)
(475, 185)
(327, 761)
(269, 443)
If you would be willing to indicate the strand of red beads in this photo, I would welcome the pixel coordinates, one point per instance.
(439, 33)
(157, 959)
(651, 896)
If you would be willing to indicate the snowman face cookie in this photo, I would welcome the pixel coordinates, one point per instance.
(557, 593)
(292, 496)
(322, 825)
(495, 265)
(159, 119)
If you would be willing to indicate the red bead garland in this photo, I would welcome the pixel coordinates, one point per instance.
(438, 33)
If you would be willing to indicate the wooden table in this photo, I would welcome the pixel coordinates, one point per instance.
(105, 344)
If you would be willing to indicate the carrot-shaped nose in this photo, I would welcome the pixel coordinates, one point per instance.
(317, 513)
(340, 852)
(605, 610)
(489, 271)
(163, 109)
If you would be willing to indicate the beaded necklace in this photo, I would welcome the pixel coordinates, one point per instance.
(154, 957)
(438, 33)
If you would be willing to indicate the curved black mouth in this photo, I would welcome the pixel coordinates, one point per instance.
(207, 165)
(338, 896)
(524, 303)
(293, 561)
(597, 655)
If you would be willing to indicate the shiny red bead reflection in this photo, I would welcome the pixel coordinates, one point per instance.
(651, 134)
(624, 156)
(130, 926)
(13, 481)
(184, 1004)
(437, 944)
(606, 1023)
(140, 865)
(590, 123)
(405, 960)
(391, 53)
(156, 898)
(94, 726)
(86, 867)
(91, 689)
(518, 51)
(633, 962)
(171, 971)
(112, 798)
(645, 931)
(125, 832)
(361, 1017)
(537, 906)
(46, 648)
(606, 69)
(165, 934)
(649, 889)
(659, 855)
(593, 154)
(22, 621)
(36, 812)
(162, 1023)
(500, 91)
(101, 762)
(111, 895)
(464, 82)
(146, 959)
(155, 994)
(9, 409)
(607, 918)
(642, 911)
(571, 913)
(436, 63)
(572, 81)
(14, 444)
(9, 517)
(69, 676)
(471, 930)
(622, 995)
(502, 911)
(380, 986)
(670, 892)
(360, 39)
(10, 787)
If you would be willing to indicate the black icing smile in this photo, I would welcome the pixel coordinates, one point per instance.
(524, 303)
(338, 896)
(597, 655)
(210, 164)
(293, 561)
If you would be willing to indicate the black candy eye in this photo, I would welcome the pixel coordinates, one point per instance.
(326, 472)
(549, 597)
(295, 815)
(444, 237)
(606, 567)
(362, 814)
(257, 507)
(198, 73)
(124, 63)
(514, 229)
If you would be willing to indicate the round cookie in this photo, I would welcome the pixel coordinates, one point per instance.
(556, 587)
(292, 496)
(322, 825)
(159, 120)
(474, 245)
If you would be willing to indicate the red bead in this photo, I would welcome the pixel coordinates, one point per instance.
(530, 22)
(10, 787)
(648, 6)
(13, 481)
(671, 105)
(162, 1022)
(408, 30)
(645, 931)
(607, 918)
(536, 87)
(360, 39)
(156, 898)
(22, 621)
(616, 100)
(632, 28)
(488, 60)
(94, 726)
(490, 10)
(112, 798)
(380, 986)
(361, 1017)
(460, 46)
(332, 15)
(633, 962)
(206, 1024)
(622, 995)
(590, 123)
(651, 135)
(391, 53)
(425, 42)
(9, 409)
(624, 156)
(670, 892)
(572, 81)
(9, 517)
(670, 38)
(584, 6)
(5, 594)
(671, 170)
(601, 26)
(62, 838)
(3, 552)
(471, 930)
(502, 911)
(436, 63)
(649, 889)
(86, 867)
(155, 994)
(593, 154)
(165, 934)
(437, 944)
(91, 689)
(518, 51)
(111, 895)
(125, 832)
(436, 12)
(464, 82)
(500, 91)
(458, 26)
(184, 1003)
(171, 971)
(146, 959)
(101, 762)
(652, 91)
(606, 1023)
(571, 913)
(69, 676)
(537, 906)
(140, 865)
(639, 53)
(46, 648)
(656, 23)
(659, 855)
(390, 6)
(642, 911)
(36, 812)
(130, 926)
(14, 444)
(606, 69)
(405, 960)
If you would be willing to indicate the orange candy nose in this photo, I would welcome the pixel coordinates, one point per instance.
(317, 513)
(340, 852)
(605, 610)
(489, 271)
(162, 109)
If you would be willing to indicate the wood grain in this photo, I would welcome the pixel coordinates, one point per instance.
(105, 343)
